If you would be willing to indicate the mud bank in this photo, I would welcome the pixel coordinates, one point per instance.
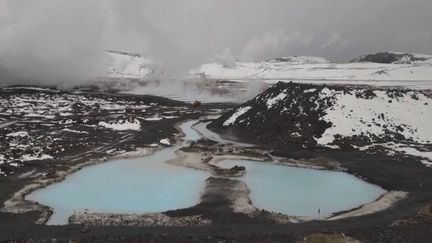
(383, 202)
(142, 220)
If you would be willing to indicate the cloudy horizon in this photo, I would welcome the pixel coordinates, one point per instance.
(60, 39)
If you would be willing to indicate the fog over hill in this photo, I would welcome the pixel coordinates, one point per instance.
(60, 41)
(380, 66)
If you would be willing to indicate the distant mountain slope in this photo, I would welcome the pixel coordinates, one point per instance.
(299, 60)
(286, 113)
(390, 66)
(304, 115)
(121, 64)
(394, 58)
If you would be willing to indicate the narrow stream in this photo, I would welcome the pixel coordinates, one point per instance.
(201, 128)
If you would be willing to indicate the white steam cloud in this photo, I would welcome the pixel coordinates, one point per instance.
(63, 41)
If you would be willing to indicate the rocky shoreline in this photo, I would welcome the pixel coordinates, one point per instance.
(18, 203)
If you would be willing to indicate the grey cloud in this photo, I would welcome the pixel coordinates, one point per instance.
(63, 41)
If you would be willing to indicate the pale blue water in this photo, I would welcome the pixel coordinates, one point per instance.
(201, 127)
(142, 185)
(148, 185)
(190, 133)
(301, 192)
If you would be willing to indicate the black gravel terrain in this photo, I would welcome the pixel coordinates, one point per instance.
(272, 126)
(296, 120)
(410, 220)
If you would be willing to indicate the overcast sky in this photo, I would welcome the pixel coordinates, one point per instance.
(54, 39)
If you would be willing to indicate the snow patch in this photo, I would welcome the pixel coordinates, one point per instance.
(74, 131)
(165, 141)
(426, 155)
(18, 134)
(310, 90)
(277, 70)
(240, 111)
(153, 119)
(271, 102)
(122, 125)
(415, 152)
(28, 157)
(351, 115)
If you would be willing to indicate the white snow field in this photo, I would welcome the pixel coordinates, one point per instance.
(121, 125)
(316, 68)
(409, 115)
(139, 66)
(410, 70)
(398, 121)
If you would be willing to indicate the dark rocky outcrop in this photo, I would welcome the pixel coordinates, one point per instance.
(294, 115)
(293, 120)
(390, 57)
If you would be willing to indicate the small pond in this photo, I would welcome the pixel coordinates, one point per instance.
(301, 192)
(148, 185)
(141, 185)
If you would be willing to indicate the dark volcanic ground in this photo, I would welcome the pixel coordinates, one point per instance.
(410, 220)
(293, 115)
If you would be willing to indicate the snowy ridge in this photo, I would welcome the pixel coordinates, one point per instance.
(283, 114)
(121, 125)
(406, 67)
(407, 114)
(299, 60)
(395, 58)
(337, 117)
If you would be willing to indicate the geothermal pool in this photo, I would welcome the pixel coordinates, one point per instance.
(301, 192)
(148, 185)
(141, 185)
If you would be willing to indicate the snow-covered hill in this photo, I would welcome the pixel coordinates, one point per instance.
(395, 58)
(129, 65)
(402, 67)
(299, 60)
(304, 115)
